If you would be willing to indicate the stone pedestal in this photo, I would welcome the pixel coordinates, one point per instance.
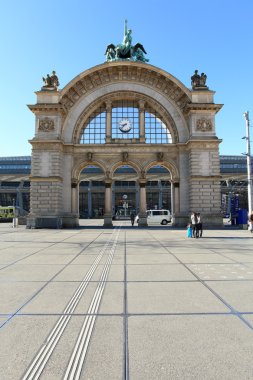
(180, 219)
(43, 222)
(71, 221)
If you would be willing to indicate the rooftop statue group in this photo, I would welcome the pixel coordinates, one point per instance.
(198, 81)
(126, 50)
(51, 82)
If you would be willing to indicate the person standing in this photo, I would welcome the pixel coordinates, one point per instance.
(194, 225)
(199, 225)
(251, 222)
(189, 230)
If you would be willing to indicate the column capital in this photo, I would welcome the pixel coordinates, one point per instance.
(74, 183)
(142, 182)
(108, 105)
(108, 183)
(141, 105)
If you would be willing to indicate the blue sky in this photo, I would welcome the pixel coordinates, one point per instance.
(37, 37)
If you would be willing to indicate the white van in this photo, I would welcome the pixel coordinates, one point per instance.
(157, 217)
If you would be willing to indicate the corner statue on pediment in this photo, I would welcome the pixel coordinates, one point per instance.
(125, 50)
(51, 82)
(199, 81)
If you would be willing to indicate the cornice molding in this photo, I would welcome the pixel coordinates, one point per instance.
(47, 108)
(46, 179)
(193, 107)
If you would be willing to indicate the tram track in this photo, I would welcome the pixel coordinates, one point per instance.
(40, 360)
(75, 365)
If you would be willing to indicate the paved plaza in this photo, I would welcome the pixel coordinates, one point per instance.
(125, 303)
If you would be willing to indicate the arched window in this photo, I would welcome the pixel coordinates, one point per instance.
(94, 130)
(156, 131)
(125, 120)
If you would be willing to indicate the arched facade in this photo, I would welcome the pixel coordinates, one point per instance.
(83, 124)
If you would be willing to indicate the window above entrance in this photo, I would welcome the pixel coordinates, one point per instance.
(94, 131)
(125, 120)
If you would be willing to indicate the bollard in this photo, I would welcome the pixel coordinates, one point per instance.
(15, 222)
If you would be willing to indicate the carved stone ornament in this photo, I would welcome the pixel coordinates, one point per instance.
(46, 125)
(89, 156)
(204, 125)
(198, 81)
(51, 82)
(160, 156)
(124, 156)
(142, 174)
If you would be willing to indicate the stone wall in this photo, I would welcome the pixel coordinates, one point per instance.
(204, 180)
(46, 199)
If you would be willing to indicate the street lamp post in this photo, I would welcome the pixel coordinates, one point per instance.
(246, 115)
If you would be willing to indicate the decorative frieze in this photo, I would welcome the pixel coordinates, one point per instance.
(204, 125)
(115, 73)
(46, 125)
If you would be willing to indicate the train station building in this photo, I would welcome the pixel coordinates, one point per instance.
(123, 136)
(15, 188)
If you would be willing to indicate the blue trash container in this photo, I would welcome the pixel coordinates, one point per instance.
(242, 216)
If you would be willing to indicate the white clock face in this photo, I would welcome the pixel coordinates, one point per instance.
(125, 126)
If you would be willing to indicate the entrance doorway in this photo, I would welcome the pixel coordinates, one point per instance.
(125, 191)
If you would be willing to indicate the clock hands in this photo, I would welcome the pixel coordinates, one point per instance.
(125, 126)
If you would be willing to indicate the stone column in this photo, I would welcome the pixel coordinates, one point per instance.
(143, 204)
(179, 218)
(74, 198)
(113, 199)
(177, 197)
(137, 198)
(89, 201)
(108, 106)
(160, 196)
(142, 120)
(172, 196)
(108, 204)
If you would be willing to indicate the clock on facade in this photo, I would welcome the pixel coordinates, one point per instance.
(125, 126)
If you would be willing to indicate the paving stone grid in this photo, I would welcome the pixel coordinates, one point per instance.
(125, 303)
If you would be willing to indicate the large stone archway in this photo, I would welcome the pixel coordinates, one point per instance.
(58, 155)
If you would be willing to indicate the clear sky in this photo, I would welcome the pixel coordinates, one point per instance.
(70, 37)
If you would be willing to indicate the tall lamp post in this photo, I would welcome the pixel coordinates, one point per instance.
(246, 115)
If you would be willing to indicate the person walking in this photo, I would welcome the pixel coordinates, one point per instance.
(132, 217)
